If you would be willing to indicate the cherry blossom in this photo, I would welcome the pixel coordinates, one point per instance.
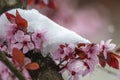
(63, 51)
(3, 47)
(6, 74)
(74, 54)
(88, 54)
(75, 68)
(39, 38)
(10, 32)
(24, 42)
(106, 46)
(92, 51)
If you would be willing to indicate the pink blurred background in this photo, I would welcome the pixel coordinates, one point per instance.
(95, 20)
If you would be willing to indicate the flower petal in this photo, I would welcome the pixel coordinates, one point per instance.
(19, 36)
(25, 49)
(18, 45)
(30, 45)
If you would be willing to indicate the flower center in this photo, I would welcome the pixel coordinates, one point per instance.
(73, 72)
(25, 43)
(39, 35)
(62, 52)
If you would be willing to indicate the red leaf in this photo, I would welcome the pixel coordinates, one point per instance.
(29, 2)
(21, 22)
(10, 17)
(102, 61)
(42, 6)
(32, 66)
(117, 50)
(51, 4)
(112, 60)
(81, 54)
(18, 56)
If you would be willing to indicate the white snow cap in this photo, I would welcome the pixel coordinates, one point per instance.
(36, 21)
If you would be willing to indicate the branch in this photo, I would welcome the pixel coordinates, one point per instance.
(11, 67)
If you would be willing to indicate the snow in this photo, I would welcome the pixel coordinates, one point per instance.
(56, 34)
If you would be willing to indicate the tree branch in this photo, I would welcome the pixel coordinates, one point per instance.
(11, 67)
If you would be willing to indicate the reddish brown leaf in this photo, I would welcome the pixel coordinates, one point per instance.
(32, 66)
(10, 17)
(102, 60)
(41, 5)
(21, 22)
(80, 53)
(112, 61)
(117, 50)
(18, 56)
(51, 4)
(29, 2)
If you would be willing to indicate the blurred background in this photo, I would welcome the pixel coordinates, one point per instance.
(95, 20)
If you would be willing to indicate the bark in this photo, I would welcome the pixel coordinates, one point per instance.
(48, 69)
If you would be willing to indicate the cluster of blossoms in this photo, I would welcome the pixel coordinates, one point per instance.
(81, 59)
(17, 42)
(77, 59)
(17, 35)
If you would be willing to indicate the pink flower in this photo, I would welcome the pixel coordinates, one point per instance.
(10, 32)
(75, 68)
(26, 74)
(6, 74)
(3, 44)
(39, 38)
(91, 50)
(23, 42)
(106, 46)
(64, 50)
(3, 47)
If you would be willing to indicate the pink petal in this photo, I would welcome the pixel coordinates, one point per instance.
(105, 54)
(26, 74)
(112, 46)
(102, 43)
(19, 36)
(25, 49)
(27, 60)
(30, 45)
(76, 77)
(108, 41)
(4, 48)
(27, 38)
(18, 45)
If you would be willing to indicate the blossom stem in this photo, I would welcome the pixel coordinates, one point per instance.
(60, 62)
(11, 67)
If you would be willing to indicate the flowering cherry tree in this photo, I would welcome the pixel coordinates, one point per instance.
(33, 43)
